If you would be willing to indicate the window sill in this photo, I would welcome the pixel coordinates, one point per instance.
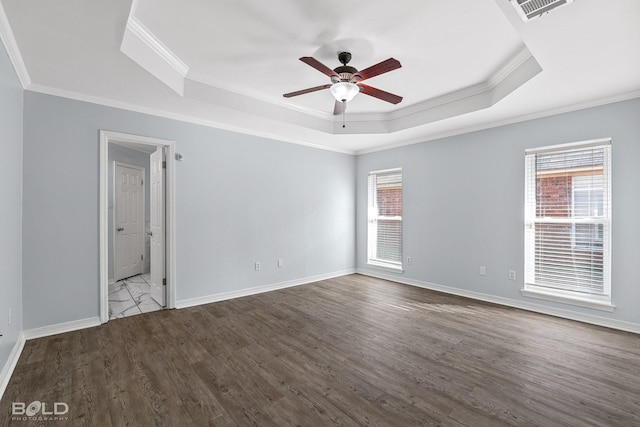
(567, 298)
(386, 267)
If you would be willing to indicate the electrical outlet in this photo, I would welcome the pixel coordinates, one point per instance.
(257, 266)
(483, 270)
(512, 275)
(280, 263)
(409, 260)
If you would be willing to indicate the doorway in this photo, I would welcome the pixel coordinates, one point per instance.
(157, 230)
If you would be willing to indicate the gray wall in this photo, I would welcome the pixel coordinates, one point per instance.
(126, 155)
(463, 203)
(240, 199)
(11, 211)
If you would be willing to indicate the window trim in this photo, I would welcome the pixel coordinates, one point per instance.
(567, 297)
(594, 301)
(394, 266)
(569, 146)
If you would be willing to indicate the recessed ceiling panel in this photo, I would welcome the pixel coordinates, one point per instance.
(466, 64)
(253, 47)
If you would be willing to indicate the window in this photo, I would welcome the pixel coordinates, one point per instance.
(568, 223)
(385, 219)
(587, 200)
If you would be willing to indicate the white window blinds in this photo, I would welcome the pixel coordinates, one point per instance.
(568, 218)
(385, 218)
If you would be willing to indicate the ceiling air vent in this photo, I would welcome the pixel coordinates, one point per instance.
(530, 9)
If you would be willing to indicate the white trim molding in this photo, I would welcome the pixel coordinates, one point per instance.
(215, 122)
(10, 365)
(566, 298)
(148, 51)
(61, 328)
(107, 137)
(207, 299)
(509, 302)
(518, 70)
(9, 41)
(143, 47)
(619, 97)
(211, 122)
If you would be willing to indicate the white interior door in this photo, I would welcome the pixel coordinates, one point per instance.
(157, 227)
(129, 221)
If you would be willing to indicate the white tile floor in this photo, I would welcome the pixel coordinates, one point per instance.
(131, 296)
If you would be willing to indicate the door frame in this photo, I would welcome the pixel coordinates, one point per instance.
(143, 210)
(157, 255)
(107, 137)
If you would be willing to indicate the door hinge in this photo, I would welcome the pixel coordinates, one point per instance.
(141, 257)
(164, 282)
(142, 182)
(164, 164)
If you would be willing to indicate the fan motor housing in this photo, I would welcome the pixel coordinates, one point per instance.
(345, 69)
(345, 73)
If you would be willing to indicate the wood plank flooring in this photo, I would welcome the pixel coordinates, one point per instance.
(348, 351)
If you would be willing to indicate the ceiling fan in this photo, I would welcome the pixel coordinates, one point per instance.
(345, 81)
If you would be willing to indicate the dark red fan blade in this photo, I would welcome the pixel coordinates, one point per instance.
(375, 70)
(339, 108)
(380, 94)
(318, 66)
(303, 91)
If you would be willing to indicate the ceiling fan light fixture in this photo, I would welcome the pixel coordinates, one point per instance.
(346, 81)
(344, 91)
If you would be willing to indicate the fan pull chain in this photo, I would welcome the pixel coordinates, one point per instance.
(344, 113)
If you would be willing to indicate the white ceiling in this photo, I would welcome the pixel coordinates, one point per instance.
(466, 64)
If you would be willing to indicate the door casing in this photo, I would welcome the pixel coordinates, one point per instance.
(107, 137)
(156, 224)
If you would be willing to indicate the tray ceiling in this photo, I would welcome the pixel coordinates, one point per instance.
(466, 64)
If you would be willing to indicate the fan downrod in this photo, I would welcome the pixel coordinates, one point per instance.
(344, 70)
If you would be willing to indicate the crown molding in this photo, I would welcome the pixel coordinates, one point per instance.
(199, 78)
(151, 54)
(155, 44)
(148, 51)
(620, 97)
(11, 46)
(214, 95)
(625, 96)
(106, 102)
(518, 70)
(512, 65)
(522, 61)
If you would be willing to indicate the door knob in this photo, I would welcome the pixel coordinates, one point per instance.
(150, 233)
(119, 228)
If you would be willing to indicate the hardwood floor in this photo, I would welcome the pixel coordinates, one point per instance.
(347, 351)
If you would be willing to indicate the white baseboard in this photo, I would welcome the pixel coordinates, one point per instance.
(537, 308)
(10, 365)
(61, 328)
(191, 302)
